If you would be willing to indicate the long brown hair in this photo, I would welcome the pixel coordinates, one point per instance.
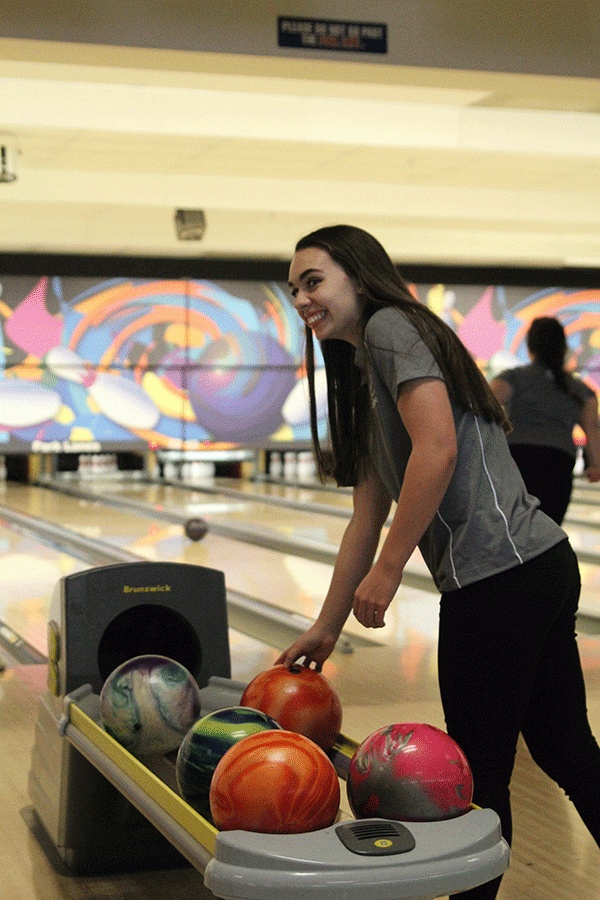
(367, 263)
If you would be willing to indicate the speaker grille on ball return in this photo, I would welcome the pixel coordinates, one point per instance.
(374, 837)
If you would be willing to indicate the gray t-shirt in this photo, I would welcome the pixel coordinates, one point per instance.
(487, 522)
(540, 412)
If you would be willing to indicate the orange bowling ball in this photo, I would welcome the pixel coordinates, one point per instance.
(300, 699)
(275, 782)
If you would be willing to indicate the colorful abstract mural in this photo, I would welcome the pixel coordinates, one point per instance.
(186, 364)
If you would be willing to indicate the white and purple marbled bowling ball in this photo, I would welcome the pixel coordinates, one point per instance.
(149, 703)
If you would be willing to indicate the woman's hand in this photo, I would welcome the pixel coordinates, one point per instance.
(374, 594)
(315, 645)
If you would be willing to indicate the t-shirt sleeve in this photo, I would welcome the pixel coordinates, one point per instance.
(397, 350)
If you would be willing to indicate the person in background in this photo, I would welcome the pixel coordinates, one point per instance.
(544, 402)
(413, 420)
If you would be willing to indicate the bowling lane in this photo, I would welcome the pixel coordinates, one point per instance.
(306, 493)
(29, 570)
(284, 581)
(247, 506)
(288, 582)
(307, 523)
(583, 514)
(329, 529)
(582, 524)
(582, 488)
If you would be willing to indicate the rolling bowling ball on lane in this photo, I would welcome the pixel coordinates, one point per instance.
(206, 743)
(195, 529)
(410, 773)
(300, 699)
(149, 703)
(277, 782)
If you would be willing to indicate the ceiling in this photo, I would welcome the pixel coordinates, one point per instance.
(443, 166)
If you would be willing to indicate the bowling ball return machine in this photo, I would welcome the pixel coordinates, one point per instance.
(105, 811)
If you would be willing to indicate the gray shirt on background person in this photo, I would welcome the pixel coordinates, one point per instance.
(540, 412)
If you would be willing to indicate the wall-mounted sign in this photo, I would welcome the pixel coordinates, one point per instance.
(325, 34)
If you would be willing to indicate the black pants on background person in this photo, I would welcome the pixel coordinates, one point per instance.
(508, 665)
(548, 475)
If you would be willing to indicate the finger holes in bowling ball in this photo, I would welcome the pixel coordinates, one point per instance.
(147, 629)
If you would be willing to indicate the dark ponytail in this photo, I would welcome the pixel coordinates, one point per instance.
(547, 344)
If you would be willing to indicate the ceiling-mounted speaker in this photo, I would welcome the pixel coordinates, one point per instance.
(8, 163)
(190, 224)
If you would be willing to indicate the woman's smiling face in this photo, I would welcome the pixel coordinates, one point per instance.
(324, 296)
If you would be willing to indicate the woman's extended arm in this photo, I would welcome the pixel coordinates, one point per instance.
(427, 416)
(355, 557)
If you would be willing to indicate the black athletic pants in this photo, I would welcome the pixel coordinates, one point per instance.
(548, 475)
(509, 664)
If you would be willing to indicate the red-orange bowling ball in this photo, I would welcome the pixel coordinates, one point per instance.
(275, 782)
(300, 699)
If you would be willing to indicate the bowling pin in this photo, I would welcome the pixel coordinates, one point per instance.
(306, 465)
(152, 466)
(170, 470)
(290, 464)
(275, 465)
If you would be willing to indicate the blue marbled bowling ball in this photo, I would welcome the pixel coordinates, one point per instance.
(207, 742)
(149, 703)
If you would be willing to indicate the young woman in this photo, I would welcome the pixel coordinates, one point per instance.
(413, 420)
(544, 403)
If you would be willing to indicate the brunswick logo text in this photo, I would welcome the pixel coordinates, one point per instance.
(146, 589)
